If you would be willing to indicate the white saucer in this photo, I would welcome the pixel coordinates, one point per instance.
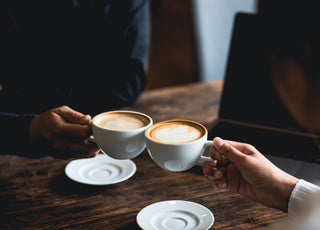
(101, 170)
(175, 215)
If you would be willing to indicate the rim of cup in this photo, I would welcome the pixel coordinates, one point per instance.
(150, 122)
(148, 136)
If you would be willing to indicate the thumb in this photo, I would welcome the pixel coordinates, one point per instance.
(72, 116)
(228, 150)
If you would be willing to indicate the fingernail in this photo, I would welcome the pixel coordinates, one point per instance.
(86, 119)
(218, 142)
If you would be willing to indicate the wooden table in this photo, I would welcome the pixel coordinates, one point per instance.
(36, 194)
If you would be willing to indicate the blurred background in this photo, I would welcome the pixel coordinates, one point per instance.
(190, 39)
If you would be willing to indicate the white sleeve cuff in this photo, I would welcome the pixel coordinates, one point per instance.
(300, 194)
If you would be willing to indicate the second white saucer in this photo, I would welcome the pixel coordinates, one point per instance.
(175, 215)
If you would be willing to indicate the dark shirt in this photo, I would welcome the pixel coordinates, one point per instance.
(90, 55)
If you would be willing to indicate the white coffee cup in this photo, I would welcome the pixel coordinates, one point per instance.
(177, 145)
(120, 134)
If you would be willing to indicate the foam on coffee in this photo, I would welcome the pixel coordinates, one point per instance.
(176, 131)
(122, 121)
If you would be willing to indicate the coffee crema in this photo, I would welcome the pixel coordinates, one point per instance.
(176, 131)
(121, 121)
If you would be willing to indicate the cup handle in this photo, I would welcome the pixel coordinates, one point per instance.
(204, 157)
(93, 140)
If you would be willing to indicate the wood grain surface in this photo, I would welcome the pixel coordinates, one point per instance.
(36, 194)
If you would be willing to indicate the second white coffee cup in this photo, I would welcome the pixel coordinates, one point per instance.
(177, 145)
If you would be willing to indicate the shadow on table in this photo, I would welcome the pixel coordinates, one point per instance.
(196, 169)
(61, 184)
(131, 226)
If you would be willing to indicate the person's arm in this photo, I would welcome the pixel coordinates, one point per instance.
(14, 134)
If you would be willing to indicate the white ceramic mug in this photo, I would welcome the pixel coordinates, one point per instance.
(120, 134)
(177, 145)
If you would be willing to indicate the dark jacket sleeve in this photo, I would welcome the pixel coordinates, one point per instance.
(14, 133)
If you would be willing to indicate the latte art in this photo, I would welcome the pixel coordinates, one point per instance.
(177, 134)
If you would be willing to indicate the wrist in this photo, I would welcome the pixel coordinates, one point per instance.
(33, 134)
(285, 190)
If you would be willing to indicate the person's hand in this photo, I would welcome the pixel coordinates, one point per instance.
(243, 169)
(64, 133)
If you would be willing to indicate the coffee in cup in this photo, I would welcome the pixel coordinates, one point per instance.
(120, 134)
(175, 132)
(121, 121)
(177, 145)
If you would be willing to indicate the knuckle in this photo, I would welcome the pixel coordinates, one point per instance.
(74, 116)
(64, 107)
(250, 148)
